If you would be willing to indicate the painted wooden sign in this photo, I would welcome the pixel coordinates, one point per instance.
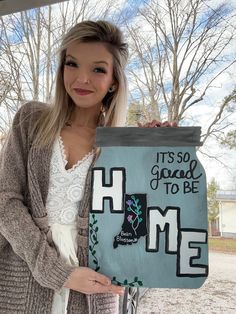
(148, 215)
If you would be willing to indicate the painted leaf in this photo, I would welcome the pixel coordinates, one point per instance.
(94, 238)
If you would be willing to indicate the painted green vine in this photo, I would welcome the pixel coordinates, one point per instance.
(135, 209)
(135, 283)
(94, 241)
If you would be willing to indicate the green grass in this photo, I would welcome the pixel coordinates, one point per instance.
(222, 245)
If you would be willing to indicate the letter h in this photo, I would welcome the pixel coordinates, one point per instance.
(113, 192)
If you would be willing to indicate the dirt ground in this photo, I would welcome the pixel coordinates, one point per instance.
(216, 296)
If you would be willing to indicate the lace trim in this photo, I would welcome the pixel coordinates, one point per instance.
(65, 161)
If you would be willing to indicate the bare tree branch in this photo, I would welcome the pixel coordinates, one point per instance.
(188, 42)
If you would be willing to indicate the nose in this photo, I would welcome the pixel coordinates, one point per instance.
(82, 76)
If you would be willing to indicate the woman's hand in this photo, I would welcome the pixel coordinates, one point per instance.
(87, 281)
(156, 123)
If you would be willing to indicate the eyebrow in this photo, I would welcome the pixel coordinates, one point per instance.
(70, 56)
(101, 62)
(93, 62)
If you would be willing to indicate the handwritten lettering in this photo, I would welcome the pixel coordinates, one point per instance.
(166, 173)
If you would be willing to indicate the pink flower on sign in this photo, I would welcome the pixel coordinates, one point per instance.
(129, 218)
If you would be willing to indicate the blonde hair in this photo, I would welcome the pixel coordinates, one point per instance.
(55, 116)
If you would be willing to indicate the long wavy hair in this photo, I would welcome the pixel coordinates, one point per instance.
(53, 119)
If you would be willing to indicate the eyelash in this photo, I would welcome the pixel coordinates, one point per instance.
(72, 64)
(101, 70)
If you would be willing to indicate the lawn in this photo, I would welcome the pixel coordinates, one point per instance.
(222, 245)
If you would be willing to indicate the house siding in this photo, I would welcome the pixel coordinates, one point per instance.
(227, 214)
(228, 219)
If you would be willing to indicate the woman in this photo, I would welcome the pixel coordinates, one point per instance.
(43, 176)
(45, 181)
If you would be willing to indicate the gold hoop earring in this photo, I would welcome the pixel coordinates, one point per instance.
(101, 118)
(103, 109)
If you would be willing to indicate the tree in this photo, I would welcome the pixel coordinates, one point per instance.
(213, 204)
(229, 139)
(27, 63)
(178, 49)
(135, 114)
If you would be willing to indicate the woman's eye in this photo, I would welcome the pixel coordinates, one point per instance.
(99, 70)
(71, 64)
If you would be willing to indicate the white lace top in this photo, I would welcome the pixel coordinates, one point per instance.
(65, 191)
(65, 186)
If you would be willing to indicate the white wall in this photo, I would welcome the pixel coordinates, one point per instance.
(228, 217)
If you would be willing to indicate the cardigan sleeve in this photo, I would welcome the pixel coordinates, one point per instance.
(16, 223)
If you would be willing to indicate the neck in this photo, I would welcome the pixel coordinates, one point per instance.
(85, 117)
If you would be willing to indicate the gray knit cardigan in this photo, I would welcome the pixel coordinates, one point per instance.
(30, 267)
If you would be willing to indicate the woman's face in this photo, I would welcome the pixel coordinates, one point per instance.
(88, 73)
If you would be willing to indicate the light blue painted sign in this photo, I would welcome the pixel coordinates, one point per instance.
(148, 214)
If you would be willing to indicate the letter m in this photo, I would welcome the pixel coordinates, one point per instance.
(167, 221)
